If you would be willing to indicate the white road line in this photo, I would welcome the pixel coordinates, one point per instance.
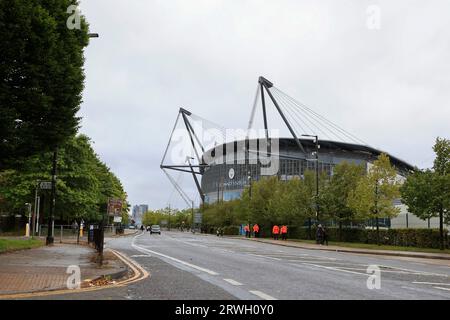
(414, 271)
(141, 249)
(261, 256)
(335, 269)
(432, 283)
(233, 282)
(446, 289)
(262, 295)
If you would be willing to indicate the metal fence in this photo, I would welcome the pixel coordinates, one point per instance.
(71, 234)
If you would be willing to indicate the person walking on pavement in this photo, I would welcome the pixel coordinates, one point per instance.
(247, 231)
(319, 234)
(283, 231)
(275, 232)
(256, 230)
(325, 235)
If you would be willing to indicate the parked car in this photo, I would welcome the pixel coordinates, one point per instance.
(131, 227)
(155, 229)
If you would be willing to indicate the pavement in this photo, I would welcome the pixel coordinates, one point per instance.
(45, 268)
(182, 265)
(312, 246)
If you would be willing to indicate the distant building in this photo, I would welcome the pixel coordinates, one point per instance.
(138, 212)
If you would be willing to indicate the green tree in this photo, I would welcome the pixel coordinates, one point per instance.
(374, 193)
(41, 78)
(83, 187)
(335, 195)
(427, 193)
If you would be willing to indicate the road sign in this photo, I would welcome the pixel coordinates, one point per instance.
(45, 185)
(114, 207)
(117, 219)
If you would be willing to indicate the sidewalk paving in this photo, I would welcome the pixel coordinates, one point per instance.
(44, 269)
(311, 246)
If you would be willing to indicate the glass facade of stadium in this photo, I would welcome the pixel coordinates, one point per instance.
(230, 165)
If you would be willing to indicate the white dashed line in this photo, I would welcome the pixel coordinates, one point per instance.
(262, 295)
(233, 282)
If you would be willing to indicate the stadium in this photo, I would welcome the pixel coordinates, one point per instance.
(223, 170)
(226, 179)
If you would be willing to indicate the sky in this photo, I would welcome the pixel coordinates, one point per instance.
(379, 69)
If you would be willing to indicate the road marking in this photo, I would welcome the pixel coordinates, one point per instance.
(335, 269)
(261, 256)
(139, 274)
(432, 283)
(193, 266)
(233, 282)
(413, 271)
(446, 289)
(262, 295)
(140, 256)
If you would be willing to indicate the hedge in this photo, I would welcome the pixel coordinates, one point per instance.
(421, 238)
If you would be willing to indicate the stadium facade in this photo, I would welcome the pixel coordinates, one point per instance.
(227, 174)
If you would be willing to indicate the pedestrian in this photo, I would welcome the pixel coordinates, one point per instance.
(319, 234)
(247, 230)
(142, 227)
(256, 230)
(284, 230)
(325, 235)
(275, 232)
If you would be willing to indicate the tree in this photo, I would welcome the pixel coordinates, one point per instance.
(84, 183)
(335, 195)
(427, 192)
(41, 77)
(374, 193)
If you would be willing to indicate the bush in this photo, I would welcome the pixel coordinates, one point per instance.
(421, 238)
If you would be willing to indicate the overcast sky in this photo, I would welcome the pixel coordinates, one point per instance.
(385, 80)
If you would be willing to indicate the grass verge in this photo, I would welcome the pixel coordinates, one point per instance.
(8, 245)
(376, 247)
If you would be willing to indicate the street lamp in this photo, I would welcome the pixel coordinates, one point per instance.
(51, 219)
(316, 139)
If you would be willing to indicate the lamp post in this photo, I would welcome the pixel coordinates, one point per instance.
(250, 194)
(49, 240)
(316, 140)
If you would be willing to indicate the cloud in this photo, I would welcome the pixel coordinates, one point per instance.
(388, 86)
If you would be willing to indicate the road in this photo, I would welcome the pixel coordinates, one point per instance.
(188, 266)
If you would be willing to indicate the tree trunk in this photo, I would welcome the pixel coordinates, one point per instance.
(340, 230)
(309, 227)
(378, 231)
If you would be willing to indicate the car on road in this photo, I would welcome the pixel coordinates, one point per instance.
(155, 229)
(131, 227)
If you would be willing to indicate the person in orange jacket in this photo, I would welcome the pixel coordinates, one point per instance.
(256, 230)
(275, 232)
(283, 231)
(247, 231)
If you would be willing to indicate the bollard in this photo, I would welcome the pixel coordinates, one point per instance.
(61, 237)
(81, 231)
(27, 230)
